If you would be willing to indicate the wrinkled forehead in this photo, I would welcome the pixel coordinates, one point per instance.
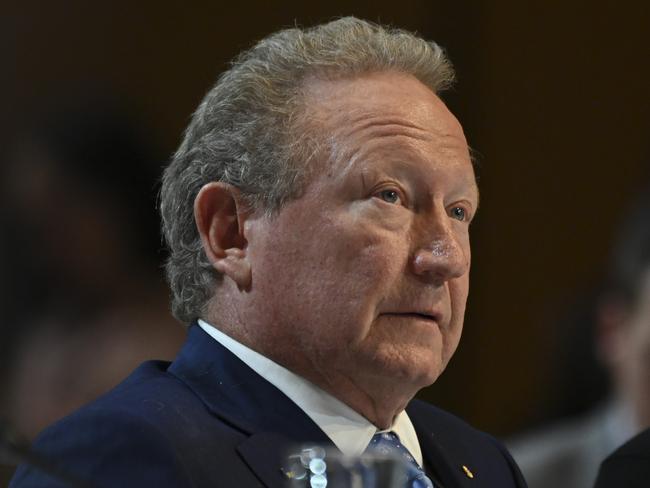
(349, 113)
(377, 93)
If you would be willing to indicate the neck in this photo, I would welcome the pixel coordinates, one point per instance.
(379, 398)
(375, 399)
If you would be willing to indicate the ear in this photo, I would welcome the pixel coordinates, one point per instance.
(220, 214)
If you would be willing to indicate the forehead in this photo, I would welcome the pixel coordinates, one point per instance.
(387, 114)
(389, 93)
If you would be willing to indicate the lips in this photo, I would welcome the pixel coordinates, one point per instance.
(431, 316)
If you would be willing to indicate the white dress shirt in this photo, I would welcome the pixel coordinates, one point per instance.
(348, 430)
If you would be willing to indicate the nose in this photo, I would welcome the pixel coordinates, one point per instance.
(443, 258)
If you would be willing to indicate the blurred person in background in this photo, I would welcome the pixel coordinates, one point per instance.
(628, 466)
(88, 300)
(568, 454)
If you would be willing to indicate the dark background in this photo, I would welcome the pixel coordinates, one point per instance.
(553, 95)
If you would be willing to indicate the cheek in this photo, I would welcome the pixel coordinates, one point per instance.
(458, 291)
(360, 267)
(328, 281)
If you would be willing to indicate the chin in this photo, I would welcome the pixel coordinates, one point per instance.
(401, 367)
(429, 377)
(430, 368)
(419, 374)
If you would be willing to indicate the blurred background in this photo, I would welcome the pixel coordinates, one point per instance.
(95, 96)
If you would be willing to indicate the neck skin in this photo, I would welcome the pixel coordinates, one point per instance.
(375, 400)
(378, 399)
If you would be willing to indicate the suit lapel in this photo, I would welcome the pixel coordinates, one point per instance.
(273, 424)
(267, 453)
(442, 460)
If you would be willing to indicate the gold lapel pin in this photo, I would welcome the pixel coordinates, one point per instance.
(468, 473)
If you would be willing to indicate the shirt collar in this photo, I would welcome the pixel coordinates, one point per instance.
(349, 431)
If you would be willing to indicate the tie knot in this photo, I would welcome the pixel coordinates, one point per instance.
(388, 443)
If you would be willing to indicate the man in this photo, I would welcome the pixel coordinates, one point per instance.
(317, 214)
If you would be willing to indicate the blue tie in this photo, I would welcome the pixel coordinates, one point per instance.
(388, 443)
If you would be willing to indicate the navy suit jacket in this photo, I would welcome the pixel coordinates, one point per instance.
(207, 420)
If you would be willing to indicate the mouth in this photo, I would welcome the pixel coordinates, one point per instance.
(415, 315)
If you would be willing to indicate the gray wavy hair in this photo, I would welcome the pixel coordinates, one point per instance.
(252, 130)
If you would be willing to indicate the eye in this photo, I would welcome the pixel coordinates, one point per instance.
(459, 213)
(390, 196)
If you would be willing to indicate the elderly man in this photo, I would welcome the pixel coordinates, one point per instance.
(317, 215)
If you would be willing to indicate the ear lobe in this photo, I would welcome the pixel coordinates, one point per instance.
(220, 213)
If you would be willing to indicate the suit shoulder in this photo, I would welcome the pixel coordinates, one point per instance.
(628, 465)
(637, 447)
(142, 431)
(100, 445)
(150, 396)
(149, 402)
